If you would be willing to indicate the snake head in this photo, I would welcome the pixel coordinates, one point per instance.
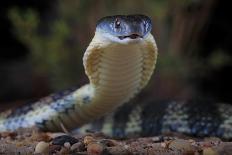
(124, 28)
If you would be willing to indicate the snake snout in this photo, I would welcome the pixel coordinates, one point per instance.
(134, 36)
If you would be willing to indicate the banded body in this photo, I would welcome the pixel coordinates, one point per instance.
(119, 62)
(200, 118)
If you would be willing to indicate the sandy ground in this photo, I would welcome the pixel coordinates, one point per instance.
(32, 141)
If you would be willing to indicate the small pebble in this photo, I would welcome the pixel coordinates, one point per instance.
(54, 148)
(88, 139)
(95, 149)
(126, 146)
(42, 147)
(67, 145)
(76, 146)
(163, 144)
(64, 150)
(180, 144)
(209, 151)
(60, 140)
(157, 139)
(8, 134)
(191, 141)
(108, 142)
(212, 139)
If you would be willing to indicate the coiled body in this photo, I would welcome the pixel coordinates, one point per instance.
(201, 118)
(118, 65)
(119, 62)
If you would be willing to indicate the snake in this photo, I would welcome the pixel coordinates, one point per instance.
(119, 63)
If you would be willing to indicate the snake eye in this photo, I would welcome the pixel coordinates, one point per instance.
(117, 23)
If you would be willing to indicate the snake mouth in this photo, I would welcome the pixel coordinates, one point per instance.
(132, 36)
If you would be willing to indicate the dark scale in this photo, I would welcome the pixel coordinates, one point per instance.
(204, 118)
(96, 125)
(41, 125)
(86, 99)
(20, 111)
(11, 122)
(58, 106)
(175, 122)
(121, 118)
(61, 94)
(29, 106)
(64, 104)
(61, 102)
(152, 115)
(8, 124)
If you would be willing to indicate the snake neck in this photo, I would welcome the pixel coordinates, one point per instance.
(117, 72)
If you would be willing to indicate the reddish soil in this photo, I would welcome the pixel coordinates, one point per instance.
(32, 141)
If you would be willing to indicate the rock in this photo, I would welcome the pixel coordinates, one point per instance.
(164, 145)
(56, 134)
(108, 142)
(8, 134)
(64, 150)
(95, 149)
(67, 145)
(42, 148)
(88, 139)
(60, 140)
(182, 145)
(209, 151)
(54, 149)
(77, 147)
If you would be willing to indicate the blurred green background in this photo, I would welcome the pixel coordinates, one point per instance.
(42, 44)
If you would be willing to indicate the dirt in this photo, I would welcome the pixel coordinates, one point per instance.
(33, 141)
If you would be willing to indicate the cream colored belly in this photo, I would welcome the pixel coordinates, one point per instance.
(118, 76)
(120, 72)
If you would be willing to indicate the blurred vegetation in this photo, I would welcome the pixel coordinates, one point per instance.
(57, 42)
(51, 50)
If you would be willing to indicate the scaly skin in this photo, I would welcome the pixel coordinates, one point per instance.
(118, 62)
(201, 118)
